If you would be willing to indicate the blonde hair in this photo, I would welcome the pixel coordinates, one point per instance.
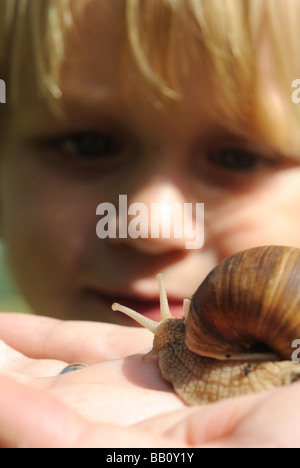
(234, 42)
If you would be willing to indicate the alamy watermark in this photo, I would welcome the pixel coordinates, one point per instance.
(2, 92)
(159, 220)
(296, 353)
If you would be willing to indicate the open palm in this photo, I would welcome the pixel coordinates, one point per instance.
(118, 400)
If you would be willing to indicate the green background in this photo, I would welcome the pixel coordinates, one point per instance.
(10, 300)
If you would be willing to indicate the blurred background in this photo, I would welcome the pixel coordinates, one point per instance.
(10, 300)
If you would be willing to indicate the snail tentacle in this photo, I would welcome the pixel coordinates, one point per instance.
(164, 304)
(186, 308)
(157, 328)
(151, 325)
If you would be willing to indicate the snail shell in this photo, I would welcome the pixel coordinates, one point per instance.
(250, 299)
(236, 333)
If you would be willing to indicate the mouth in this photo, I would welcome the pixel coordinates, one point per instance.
(150, 308)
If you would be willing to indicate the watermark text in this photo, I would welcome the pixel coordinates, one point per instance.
(159, 220)
(296, 353)
(2, 92)
(152, 457)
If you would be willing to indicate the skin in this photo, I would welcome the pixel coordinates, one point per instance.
(37, 410)
(49, 195)
(48, 203)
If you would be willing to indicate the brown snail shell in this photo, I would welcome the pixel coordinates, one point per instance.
(237, 331)
(251, 298)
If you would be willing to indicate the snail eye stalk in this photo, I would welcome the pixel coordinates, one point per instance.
(151, 325)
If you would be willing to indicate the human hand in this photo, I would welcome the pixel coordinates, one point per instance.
(36, 349)
(118, 401)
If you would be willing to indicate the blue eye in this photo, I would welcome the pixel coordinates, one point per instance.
(91, 146)
(234, 159)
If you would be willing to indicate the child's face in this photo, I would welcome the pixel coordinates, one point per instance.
(152, 152)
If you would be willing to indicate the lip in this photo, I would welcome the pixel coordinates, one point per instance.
(150, 308)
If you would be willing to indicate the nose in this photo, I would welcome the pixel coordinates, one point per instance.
(159, 220)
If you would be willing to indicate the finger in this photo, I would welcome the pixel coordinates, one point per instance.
(215, 425)
(30, 418)
(71, 341)
(267, 419)
(14, 363)
(200, 425)
(26, 333)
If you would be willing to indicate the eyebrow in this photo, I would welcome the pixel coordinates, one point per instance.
(77, 112)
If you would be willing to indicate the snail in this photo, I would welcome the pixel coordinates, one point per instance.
(236, 332)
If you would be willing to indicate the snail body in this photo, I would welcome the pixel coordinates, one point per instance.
(236, 333)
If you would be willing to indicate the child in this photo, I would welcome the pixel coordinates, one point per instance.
(178, 101)
(182, 102)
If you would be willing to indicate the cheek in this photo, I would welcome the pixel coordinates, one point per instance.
(48, 225)
(268, 214)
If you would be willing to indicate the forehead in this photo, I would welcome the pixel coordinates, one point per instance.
(95, 42)
(100, 72)
(99, 61)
